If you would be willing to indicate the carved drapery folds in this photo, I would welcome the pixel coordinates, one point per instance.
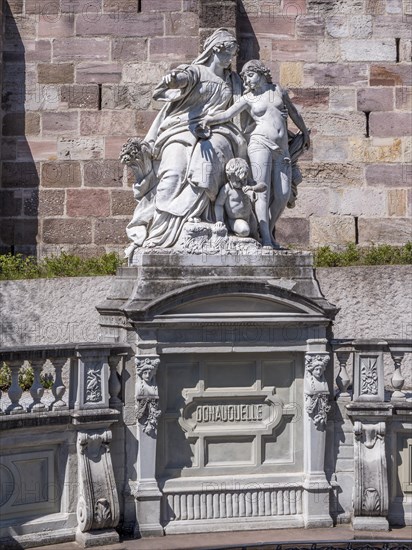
(147, 397)
(98, 506)
(316, 388)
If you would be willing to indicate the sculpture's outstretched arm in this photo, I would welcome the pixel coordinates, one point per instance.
(227, 115)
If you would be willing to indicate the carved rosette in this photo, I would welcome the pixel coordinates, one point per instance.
(316, 388)
(369, 376)
(147, 397)
(98, 505)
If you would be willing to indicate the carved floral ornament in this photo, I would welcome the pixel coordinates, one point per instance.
(147, 396)
(316, 388)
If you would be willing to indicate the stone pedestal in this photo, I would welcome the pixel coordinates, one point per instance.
(240, 438)
(370, 495)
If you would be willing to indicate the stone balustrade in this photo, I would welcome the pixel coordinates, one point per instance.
(361, 369)
(83, 376)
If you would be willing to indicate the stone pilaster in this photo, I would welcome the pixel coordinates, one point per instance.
(316, 487)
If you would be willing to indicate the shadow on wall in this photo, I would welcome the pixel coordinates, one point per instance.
(19, 191)
(248, 44)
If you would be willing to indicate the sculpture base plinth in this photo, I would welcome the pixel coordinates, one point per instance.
(370, 523)
(97, 538)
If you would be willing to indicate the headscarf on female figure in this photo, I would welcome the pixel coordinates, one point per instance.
(188, 170)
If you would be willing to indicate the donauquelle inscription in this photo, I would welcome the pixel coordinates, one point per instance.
(229, 413)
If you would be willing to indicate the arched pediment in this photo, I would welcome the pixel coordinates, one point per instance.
(227, 299)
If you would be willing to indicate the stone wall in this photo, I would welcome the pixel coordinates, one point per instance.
(78, 78)
(374, 302)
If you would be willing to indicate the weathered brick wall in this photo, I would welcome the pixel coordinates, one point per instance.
(78, 76)
(347, 64)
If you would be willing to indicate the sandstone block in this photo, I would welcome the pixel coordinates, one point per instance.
(358, 202)
(331, 175)
(129, 49)
(81, 49)
(160, 5)
(375, 99)
(368, 50)
(19, 174)
(119, 6)
(293, 231)
(182, 24)
(310, 98)
(392, 26)
(397, 203)
(107, 123)
(144, 72)
(325, 7)
(21, 27)
(126, 96)
(36, 149)
(105, 173)
(120, 24)
(394, 6)
(405, 50)
(276, 25)
(332, 231)
(59, 28)
(61, 174)
(113, 145)
(406, 149)
(41, 97)
(215, 14)
(15, 7)
(331, 74)
(375, 150)
(11, 203)
(78, 96)
(390, 75)
(18, 231)
(60, 231)
(387, 124)
(64, 123)
(294, 50)
(144, 120)
(342, 99)
(336, 124)
(389, 175)
(309, 26)
(86, 8)
(358, 26)
(55, 73)
(87, 203)
(51, 202)
(99, 72)
(385, 230)
(8, 148)
(330, 149)
(80, 148)
(293, 8)
(46, 10)
(123, 203)
(403, 98)
(20, 124)
(111, 231)
(311, 201)
(291, 74)
(184, 48)
(37, 51)
(328, 51)
(30, 202)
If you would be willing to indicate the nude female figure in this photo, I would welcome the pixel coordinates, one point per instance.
(269, 106)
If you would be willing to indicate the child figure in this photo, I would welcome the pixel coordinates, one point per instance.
(235, 202)
(268, 151)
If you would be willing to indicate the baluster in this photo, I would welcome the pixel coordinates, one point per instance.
(343, 380)
(58, 388)
(37, 390)
(15, 392)
(397, 379)
(114, 382)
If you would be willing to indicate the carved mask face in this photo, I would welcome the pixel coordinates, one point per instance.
(318, 372)
(146, 375)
